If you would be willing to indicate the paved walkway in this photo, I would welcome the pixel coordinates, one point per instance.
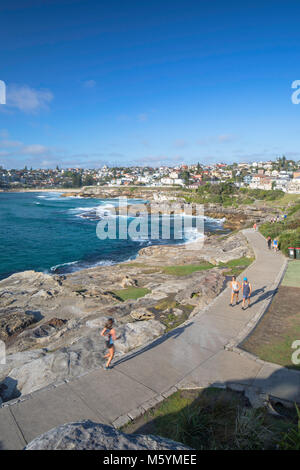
(192, 355)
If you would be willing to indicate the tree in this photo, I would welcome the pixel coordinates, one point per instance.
(76, 180)
(88, 181)
(185, 175)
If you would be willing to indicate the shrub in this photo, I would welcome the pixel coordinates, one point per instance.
(289, 238)
(294, 209)
(291, 440)
(271, 230)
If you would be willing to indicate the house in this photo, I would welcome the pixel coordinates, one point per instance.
(293, 186)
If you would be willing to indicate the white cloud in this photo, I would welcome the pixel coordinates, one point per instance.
(10, 143)
(219, 139)
(35, 149)
(89, 84)
(28, 100)
(225, 138)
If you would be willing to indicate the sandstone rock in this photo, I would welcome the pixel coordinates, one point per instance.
(177, 312)
(134, 335)
(97, 322)
(87, 435)
(203, 289)
(13, 323)
(85, 354)
(127, 281)
(53, 329)
(142, 314)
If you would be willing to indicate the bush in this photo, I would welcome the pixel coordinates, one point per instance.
(289, 238)
(271, 230)
(294, 209)
(291, 440)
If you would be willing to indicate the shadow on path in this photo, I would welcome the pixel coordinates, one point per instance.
(266, 295)
(172, 334)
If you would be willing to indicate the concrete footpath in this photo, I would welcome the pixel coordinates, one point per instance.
(199, 353)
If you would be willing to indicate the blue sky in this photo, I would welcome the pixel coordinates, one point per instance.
(159, 82)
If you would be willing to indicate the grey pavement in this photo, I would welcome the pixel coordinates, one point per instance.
(193, 355)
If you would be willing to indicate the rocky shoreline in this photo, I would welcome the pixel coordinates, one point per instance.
(50, 324)
(170, 200)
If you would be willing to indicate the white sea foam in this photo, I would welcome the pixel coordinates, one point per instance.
(192, 235)
(54, 268)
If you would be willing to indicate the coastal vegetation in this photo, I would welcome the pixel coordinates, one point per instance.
(186, 269)
(273, 337)
(132, 293)
(287, 230)
(228, 194)
(172, 313)
(217, 419)
(236, 266)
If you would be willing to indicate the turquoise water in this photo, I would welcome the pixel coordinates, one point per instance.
(49, 233)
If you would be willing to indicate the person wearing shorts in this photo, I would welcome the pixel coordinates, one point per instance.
(247, 289)
(110, 333)
(235, 289)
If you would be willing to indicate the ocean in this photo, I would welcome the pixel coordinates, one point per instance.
(52, 234)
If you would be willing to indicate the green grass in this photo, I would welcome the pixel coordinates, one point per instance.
(280, 351)
(169, 319)
(237, 262)
(186, 269)
(132, 293)
(284, 201)
(213, 419)
(236, 266)
(292, 275)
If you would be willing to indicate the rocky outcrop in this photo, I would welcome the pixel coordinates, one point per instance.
(237, 218)
(87, 435)
(212, 250)
(85, 354)
(202, 293)
(52, 324)
(14, 322)
(141, 314)
(127, 281)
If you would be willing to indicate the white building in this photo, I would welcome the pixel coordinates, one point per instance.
(293, 186)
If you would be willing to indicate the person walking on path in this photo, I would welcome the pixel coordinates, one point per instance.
(235, 289)
(255, 226)
(275, 244)
(269, 241)
(110, 333)
(247, 289)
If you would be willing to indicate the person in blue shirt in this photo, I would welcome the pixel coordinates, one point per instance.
(246, 289)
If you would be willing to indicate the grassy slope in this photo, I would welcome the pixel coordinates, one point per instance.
(213, 419)
(273, 337)
(132, 293)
